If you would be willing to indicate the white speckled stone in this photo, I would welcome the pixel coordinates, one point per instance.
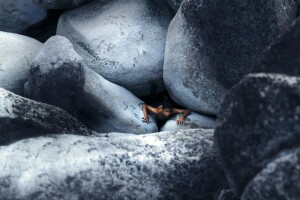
(194, 120)
(123, 40)
(176, 165)
(16, 54)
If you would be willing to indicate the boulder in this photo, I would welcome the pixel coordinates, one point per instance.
(16, 15)
(122, 40)
(23, 118)
(212, 44)
(192, 121)
(278, 180)
(60, 4)
(282, 56)
(258, 119)
(171, 165)
(175, 4)
(16, 53)
(58, 77)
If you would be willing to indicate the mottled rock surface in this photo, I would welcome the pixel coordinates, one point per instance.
(227, 194)
(282, 56)
(16, 15)
(171, 165)
(175, 4)
(192, 121)
(278, 180)
(122, 40)
(258, 119)
(16, 55)
(60, 4)
(23, 118)
(212, 44)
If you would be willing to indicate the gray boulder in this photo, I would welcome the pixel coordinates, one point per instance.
(175, 4)
(171, 165)
(259, 118)
(23, 118)
(16, 53)
(58, 77)
(122, 40)
(282, 56)
(16, 15)
(278, 180)
(212, 44)
(60, 4)
(192, 121)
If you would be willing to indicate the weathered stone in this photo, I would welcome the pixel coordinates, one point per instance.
(227, 194)
(123, 40)
(60, 4)
(62, 80)
(175, 4)
(278, 180)
(23, 118)
(282, 56)
(16, 53)
(212, 44)
(192, 121)
(16, 15)
(177, 165)
(259, 118)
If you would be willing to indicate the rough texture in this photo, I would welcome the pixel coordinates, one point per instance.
(194, 120)
(259, 118)
(60, 4)
(122, 40)
(282, 56)
(16, 15)
(175, 4)
(228, 194)
(212, 44)
(279, 180)
(56, 75)
(16, 55)
(171, 165)
(23, 118)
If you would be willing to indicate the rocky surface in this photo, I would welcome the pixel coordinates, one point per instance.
(16, 53)
(175, 4)
(60, 4)
(122, 40)
(16, 15)
(278, 180)
(170, 165)
(259, 118)
(282, 56)
(23, 118)
(212, 44)
(62, 80)
(192, 121)
(227, 194)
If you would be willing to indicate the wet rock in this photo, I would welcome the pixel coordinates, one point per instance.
(259, 118)
(212, 44)
(194, 120)
(278, 180)
(60, 4)
(282, 56)
(16, 53)
(23, 118)
(62, 80)
(170, 165)
(16, 15)
(122, 40)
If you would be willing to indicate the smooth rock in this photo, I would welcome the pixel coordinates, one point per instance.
(278, 180)
(16, 53)
(175, 4)
(60, 4)
(192, 121)
(212, 44)
(62, 80)
(282, 56)
(23, 118)
(259, 118)
(122, 40)
(171, 165)
(16, 15)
